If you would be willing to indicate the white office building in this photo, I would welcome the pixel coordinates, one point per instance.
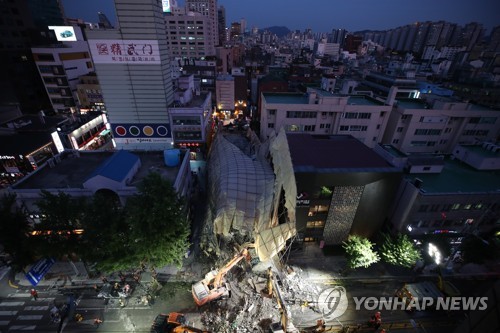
(323, 113)
(133, 68)
(188, 35)
(438, 124)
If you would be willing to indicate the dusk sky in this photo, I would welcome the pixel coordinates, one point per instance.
(324, 15)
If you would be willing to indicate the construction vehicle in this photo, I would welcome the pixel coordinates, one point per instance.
(214, 285)
(427, 289)
(285, 325)
(174, 322)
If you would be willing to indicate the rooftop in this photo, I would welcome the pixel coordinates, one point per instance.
(23, 143)
(483, 152)
(393, 151)
(457, 177)
(72, 171)
(412, 103)
(362, 100)
(336, 152)
(286, 98)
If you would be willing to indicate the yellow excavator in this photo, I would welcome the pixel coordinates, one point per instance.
(214, 285)
(174, 322)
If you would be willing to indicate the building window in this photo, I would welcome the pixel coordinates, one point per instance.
(315, 224)
(423, 208)
(309, 239)
(378, 126)
(318, 209)
(309, 128)
(321, 125)
(271, 112)
(455, 206)
(434, 208)
(399, 129)
(327, 125)
(270, 125)
(395, 141)
(344, 128)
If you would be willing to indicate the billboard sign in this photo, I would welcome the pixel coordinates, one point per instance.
(166, 6)
(139, 52)
(142, 132)
(64, 33)
(38, 271)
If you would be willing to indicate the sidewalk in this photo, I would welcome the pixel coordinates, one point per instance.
(324, 266)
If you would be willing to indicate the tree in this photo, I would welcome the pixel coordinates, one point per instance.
(105, 231)
(155, 229)
(359, 252)
(399, 250)
(60, 214)
(14, 233)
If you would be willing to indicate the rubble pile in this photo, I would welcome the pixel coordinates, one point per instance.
(249, 309)
(246, 310)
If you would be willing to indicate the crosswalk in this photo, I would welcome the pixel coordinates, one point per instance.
(20, 313)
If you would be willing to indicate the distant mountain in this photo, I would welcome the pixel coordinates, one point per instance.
(278, 31)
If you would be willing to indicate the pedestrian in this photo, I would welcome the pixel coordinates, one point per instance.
(97, 322)
(34, 294)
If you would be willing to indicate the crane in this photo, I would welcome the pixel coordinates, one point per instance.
(214, 285)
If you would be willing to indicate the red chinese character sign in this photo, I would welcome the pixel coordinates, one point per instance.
(140, 52)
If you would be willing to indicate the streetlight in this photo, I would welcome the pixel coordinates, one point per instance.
(434, 253)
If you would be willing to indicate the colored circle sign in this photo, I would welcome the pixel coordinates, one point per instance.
(162, 130)
(148, 130)
(120, 130)
(134, 130)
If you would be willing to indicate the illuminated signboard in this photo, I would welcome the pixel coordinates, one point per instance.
(166, 6)
(57, 142)
(64, 33)
(139, 52)
(141, 133)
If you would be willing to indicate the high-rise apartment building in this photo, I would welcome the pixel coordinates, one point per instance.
(188, 35)
(20, 84)
(133, 68)
(207, 8)
(60, 66)
(221, 18)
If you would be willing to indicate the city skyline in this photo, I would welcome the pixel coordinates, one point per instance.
(323, 17)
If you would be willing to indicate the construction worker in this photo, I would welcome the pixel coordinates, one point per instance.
(97, 322)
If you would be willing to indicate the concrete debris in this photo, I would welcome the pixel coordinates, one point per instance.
(247, 310)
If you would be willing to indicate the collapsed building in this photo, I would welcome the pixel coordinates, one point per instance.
(251, 194)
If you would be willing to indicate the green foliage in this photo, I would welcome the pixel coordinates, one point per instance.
(359, 252)
(60, 214)
(14, 233)
(157, 223)
(152, 227)
(399, 250)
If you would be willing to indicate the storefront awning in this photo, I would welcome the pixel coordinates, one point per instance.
(103, 133)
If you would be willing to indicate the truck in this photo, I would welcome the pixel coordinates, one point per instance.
(426, 289)
(214, 285)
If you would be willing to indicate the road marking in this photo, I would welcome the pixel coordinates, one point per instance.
(46, 299)
(36, 307)
(8, 313)
(29, 317)
(4, 322)
(22, 327)
(11, 303)
(19, 295)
